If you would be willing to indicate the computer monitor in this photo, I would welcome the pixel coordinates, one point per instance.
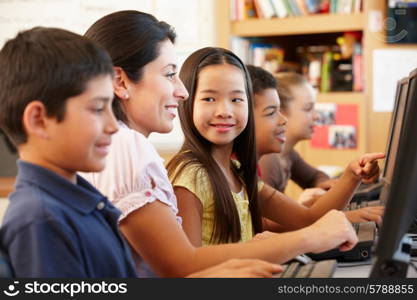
(401, 202)
(395, 129)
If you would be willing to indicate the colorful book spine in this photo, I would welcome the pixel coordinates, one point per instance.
(294, 8)
(357, 61)
(280, 9)
(302, 7)
(325, 72)
(288, 7)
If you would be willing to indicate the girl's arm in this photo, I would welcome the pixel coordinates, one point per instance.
(155, 234)
(190, 210)
(287, 212)
(235, 268)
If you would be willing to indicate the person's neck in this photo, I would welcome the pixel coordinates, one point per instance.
(43, 162)
(137, 128)
(221, 155)
(288, 146)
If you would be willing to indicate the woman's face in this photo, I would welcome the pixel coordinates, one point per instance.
(153, 101)
(300, 113)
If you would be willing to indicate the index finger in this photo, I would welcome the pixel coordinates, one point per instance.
(369, 157)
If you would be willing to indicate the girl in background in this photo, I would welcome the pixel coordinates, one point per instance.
(220, 199)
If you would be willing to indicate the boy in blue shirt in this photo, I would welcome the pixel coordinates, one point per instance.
(55, 97)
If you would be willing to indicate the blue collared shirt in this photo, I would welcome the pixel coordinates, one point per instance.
(54, 228)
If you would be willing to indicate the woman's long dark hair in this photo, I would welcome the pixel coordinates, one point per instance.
(196, 149)
(132, 39)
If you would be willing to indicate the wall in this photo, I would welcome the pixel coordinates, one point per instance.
(193, 20)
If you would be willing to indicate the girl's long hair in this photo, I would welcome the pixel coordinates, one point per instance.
(196, 149)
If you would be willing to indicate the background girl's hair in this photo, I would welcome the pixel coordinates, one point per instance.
(285, 81)
(196, 149)
(132, 38)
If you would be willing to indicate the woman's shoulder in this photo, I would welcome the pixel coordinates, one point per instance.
(131, 147)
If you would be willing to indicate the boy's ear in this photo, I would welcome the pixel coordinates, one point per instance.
(34, 119)
(120, 83)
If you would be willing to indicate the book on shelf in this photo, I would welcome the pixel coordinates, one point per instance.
(280, 8)
(302, 7)
(267, 9)
(313, 6)
(265, 55)
(357, 61)
(328, 71)
(268, 56)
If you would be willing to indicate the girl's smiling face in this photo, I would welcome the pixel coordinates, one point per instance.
(220, 111)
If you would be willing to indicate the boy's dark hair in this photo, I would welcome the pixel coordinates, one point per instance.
(49, 65)
(132, 38)
(261, 79)
(196, 149)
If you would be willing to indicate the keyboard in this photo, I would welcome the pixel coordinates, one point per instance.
(413, 239)
(367, 192)
(366, 233)
(362, 204)
(314, 269)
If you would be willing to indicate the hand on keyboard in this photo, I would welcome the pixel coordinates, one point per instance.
(234, 268)
(366, 214)
(366, 167)
(333, 230)
(322, 269)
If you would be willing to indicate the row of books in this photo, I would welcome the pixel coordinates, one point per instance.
(268, 56)
(266, 9)
(328, 71)
(324, 66)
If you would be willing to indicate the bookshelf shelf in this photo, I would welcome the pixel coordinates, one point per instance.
(313, 24)
(342, 97)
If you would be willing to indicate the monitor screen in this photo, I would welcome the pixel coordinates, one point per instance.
(401, 206)
(395, 129)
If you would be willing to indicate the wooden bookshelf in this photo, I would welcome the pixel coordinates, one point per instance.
(312, 24)
(292, 28)
(373, 126)
(342, 97)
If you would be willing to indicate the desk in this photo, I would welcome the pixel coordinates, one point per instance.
(363, 271)
(6, 185)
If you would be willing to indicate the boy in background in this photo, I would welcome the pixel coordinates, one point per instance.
(55, 98)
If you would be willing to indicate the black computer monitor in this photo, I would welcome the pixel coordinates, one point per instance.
(401, 202)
